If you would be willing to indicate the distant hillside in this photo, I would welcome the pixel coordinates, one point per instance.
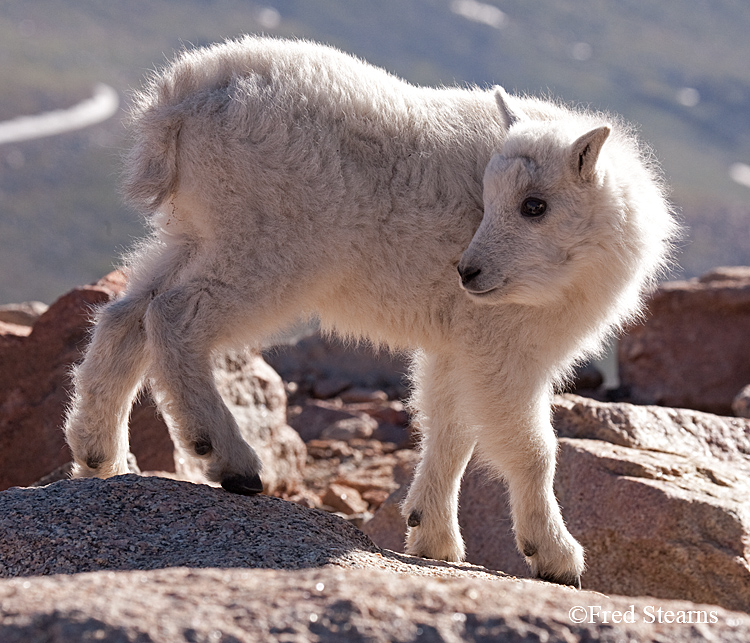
(679, 69)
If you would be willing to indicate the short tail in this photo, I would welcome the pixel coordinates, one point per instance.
(160, 112)
(150, 176)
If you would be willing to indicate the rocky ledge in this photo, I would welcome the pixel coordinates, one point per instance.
(152, 559)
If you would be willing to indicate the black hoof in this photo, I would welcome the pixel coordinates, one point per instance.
(93, 462)
(415, 519)
(202, 447)
(243, 485)
(567, 579)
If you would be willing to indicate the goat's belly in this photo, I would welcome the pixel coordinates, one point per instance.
(402, 316)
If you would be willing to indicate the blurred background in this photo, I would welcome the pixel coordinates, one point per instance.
(678, 69)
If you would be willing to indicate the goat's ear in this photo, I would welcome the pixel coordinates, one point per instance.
(585, 151)
(508, 115)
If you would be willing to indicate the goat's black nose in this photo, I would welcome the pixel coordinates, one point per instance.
(468, 273)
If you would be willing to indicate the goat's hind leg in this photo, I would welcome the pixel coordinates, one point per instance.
(183, 326)
(106, 382)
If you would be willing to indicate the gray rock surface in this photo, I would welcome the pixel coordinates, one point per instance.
(179, 562)
(682, 431)
(659, 524)
(132, 522)
(333, 605)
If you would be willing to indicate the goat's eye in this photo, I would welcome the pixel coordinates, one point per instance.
(533, 208)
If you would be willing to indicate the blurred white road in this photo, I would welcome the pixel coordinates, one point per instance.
(101, 106)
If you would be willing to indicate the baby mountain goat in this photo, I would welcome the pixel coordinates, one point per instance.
(501, 238)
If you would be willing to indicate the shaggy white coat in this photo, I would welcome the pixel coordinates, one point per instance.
(285, 178)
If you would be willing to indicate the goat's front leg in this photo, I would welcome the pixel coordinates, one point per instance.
(431, 506)
(524, 454)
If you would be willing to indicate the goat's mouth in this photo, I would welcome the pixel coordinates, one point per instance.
(486, 293)
(480, 293)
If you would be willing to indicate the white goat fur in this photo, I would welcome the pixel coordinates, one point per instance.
(285, 178)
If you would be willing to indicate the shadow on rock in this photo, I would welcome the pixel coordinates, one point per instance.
(138, 523)
(144, 523)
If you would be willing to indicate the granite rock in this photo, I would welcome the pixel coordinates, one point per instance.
(151, 559)
(741, 403)
(658, 498)
(333, 605)
(655, 428)
(25, 314)
(34, 383)
(692, 351)
(326, 366)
